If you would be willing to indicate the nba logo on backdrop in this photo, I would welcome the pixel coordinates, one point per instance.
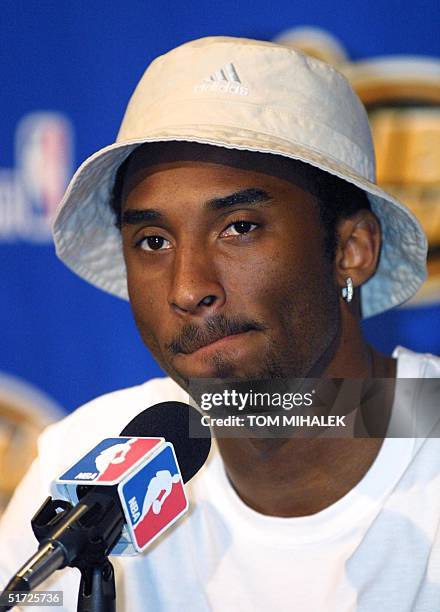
(31, 191)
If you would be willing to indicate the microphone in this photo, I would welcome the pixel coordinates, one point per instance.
(84, 534)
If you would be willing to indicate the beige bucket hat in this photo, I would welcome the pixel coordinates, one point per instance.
(249, 95)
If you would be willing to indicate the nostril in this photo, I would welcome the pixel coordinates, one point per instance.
(208, 300)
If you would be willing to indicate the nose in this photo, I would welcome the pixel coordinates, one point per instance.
(195, 286)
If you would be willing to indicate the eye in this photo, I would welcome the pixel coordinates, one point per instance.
(154, 243)
(239, 228)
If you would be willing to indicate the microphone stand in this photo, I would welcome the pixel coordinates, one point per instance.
(68, 537)
(97, 592)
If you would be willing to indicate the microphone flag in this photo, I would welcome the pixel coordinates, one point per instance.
(148, 481)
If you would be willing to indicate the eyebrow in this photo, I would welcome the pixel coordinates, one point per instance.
(246, 196)
(134, 216)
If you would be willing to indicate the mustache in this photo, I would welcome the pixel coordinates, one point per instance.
(192, 337)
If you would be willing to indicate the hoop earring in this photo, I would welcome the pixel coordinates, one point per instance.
(348, 290)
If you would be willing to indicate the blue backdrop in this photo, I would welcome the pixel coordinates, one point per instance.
(77, 63)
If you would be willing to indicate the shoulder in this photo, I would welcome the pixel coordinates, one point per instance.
(416, 365)
(105, 416)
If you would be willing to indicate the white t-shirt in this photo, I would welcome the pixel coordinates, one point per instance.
(375, 549)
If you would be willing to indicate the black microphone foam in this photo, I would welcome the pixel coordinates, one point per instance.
(171, 420)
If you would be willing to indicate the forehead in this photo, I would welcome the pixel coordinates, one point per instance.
(147, 157)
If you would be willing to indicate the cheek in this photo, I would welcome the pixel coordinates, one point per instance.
(248, 283)
(291, 285)
(141, 284)
(277, 269)
(146, 301)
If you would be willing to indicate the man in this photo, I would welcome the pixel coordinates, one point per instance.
(238, 212)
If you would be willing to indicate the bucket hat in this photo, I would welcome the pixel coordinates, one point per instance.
(248, 95)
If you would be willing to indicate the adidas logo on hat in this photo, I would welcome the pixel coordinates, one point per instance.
(225, 80)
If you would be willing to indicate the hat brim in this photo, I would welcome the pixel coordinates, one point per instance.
(89, 243)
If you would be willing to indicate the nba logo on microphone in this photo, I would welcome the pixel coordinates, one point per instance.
(153, 498)
(148, 480)
(110, 461)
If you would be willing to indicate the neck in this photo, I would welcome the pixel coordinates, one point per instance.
(298, 476)
(300, 479)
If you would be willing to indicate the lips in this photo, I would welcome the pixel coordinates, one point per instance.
(212, 341)
(223, 354)
(191, 337)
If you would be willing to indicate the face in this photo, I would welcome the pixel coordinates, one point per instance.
(225, 264)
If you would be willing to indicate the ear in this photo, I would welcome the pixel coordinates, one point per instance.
(358, 249)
